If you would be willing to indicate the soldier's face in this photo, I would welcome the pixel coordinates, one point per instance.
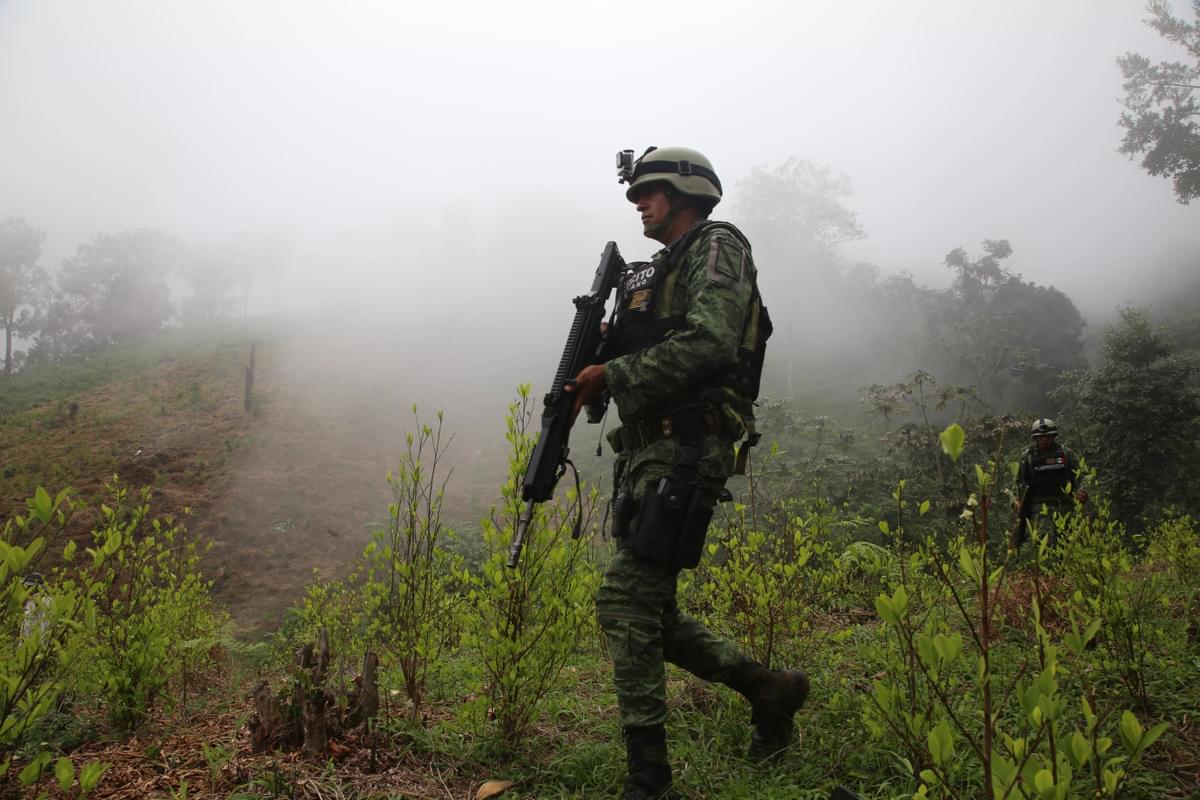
(654, 207)
(1043, 442)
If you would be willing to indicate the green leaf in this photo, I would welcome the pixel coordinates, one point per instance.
(1004, 772)
(41, 505)
(1131, 731)
(1080, 750)
(34, 769)
(924, 507)
(1111, 778)
(927, 652)
(900, 600)
(1152, 735)
(966, 562)
(941, 743)
(1015, 746)
(948, 647)
(885, 696)
(1088, 715)
(883, 607)
(1043, 782)
(884, 527)
(994, 577)
(89, 776)
(64, 773)
(952, 440)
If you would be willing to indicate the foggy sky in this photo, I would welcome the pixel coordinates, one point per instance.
(487, 130)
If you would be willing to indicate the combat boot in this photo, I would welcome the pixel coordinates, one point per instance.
(775, 696)
(646, 756)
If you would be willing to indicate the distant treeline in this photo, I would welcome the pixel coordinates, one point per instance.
(117, 288)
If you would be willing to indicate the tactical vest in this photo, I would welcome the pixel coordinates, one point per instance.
(1050, 473)
(643, 317)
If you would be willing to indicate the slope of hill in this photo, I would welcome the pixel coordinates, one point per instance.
(292, 486)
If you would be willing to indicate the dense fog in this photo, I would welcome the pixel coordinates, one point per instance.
(430, 184)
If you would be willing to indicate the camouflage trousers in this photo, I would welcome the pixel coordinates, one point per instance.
(637, 606)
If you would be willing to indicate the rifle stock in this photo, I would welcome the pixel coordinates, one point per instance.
(550, 455)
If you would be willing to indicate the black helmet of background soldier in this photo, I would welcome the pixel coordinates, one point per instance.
(1044, 427)
(685, 170)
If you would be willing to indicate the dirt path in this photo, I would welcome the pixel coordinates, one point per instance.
(308, 483)
(292, 487)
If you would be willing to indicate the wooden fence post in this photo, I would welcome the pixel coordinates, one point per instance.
(250, 378)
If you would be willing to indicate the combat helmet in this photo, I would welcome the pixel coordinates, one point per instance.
(685, 169)
(1044, 427)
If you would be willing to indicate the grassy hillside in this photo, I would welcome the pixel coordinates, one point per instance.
(163, 413)
(291, 487)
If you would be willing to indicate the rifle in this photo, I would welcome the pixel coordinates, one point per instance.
(550, 455)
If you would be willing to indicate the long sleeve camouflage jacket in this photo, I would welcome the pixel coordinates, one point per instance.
(710, 290)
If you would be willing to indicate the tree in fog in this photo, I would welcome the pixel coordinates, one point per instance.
(1009, 338)
(254, 256)
(798, 209)
(117, 285)
(22, 282)
(61, 330)
(1162, 112)
(1136, 417)
(796, 216)
(211, 269)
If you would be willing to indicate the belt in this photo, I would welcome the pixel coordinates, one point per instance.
(689, 423)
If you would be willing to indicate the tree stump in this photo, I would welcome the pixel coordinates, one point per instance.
(267, 726)
(364, 702)
(306, 714)
(315, 701)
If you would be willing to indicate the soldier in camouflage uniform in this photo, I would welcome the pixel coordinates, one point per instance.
(681, 361)
(1049, 482)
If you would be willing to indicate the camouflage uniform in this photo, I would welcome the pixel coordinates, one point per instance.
(711, 288)
(682, 360)
(1046, 481)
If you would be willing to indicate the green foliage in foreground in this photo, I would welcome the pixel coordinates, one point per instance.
(944, 665)
(108, 629)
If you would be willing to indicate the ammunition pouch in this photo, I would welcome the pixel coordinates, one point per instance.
(673, 522)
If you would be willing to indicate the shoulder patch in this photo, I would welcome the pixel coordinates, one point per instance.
(726, 261)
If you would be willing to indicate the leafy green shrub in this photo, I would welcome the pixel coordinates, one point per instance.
(44, 625)
(528, 620)
(973, 719)
(155, 619)
(415, 588)
(1175, 545)
(1124, 597)
(335, 606)
(767, 589)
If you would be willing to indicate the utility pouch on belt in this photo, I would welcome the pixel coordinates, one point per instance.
(673, 522)
(623, 510)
